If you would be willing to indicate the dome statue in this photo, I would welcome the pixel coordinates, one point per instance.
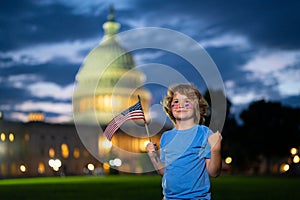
(108, 82)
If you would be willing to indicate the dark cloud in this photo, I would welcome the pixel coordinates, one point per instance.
(228, 61)
(269, 23)
(61, 73)
(24, 23)
(12, 96)
(265, 24)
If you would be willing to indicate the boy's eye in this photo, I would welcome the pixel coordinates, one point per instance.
(188, 105)
(175, 105)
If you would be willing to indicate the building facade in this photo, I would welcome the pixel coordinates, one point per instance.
(107, 83)
(27, 149)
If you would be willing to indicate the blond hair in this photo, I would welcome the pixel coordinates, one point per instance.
(193, 94)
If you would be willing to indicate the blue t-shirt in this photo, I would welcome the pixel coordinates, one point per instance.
(184, 152)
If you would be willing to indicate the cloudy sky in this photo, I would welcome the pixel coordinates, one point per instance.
(254, 43)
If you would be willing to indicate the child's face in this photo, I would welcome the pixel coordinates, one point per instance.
(182, 107)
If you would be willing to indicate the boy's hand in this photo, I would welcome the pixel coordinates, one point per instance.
(151, 147)
(215, 140)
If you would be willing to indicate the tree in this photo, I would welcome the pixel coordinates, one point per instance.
(269, 129)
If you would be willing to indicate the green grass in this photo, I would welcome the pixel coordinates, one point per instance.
(144, 187)
(256, 187)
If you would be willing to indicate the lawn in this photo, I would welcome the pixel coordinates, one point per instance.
(143, 187)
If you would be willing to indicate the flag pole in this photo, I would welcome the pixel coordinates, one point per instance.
(147, 131)
(145, 122)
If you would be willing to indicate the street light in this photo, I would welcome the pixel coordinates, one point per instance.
(91, 167)
(294, 151)
(228, 160)
(23, 168)
(296, 159)
(55, 164)
(284, 167)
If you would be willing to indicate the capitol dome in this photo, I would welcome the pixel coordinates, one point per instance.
(108, 82)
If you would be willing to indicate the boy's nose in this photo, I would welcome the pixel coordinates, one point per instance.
(181, 105)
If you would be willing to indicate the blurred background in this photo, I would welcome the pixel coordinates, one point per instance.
(51, 50)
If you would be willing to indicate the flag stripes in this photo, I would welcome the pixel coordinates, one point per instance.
(132, 113)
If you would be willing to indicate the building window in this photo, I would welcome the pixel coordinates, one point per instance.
(64, 150)
(41, 168)
(13, 169)
(76, 153)
(26, 137)
(85, 153)
(36, 117)
(51, 152)
(4, 169)
(2, 137)
(11, 137)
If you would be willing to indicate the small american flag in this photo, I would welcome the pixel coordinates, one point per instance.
(132, 113)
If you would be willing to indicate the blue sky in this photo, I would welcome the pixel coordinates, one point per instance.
(254, 43)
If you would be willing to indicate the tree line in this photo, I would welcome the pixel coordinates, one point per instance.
(267, 133)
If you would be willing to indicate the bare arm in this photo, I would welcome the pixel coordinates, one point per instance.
(153, 155)
(214, 164)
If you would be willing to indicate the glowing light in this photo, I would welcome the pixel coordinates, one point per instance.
(294, 151)
(2, 136)
(51, 152)
(284, 168)
(228, 160)
(76, 153)
(296, 159)
(51, 162)
(64, 150)
(41, 168)
(117, 162)
(106, 144)
(55, 164)
(91, 167)
(107, 102)
(11, 137)
(22, 168)
(106, 166)
(36, 117)
(55, 168)
(143, 144)
(111, 163)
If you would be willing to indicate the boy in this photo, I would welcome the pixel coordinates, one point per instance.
(190, 152)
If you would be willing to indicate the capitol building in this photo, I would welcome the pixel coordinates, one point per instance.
(108, 80)
(107, 83)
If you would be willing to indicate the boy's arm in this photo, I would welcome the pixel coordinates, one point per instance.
(154, 157)
(214, 164)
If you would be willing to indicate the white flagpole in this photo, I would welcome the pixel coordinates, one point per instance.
(147, 131)
(145, 122)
